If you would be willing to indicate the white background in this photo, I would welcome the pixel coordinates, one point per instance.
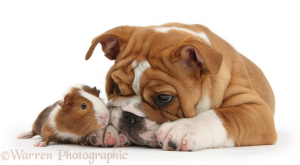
(43, 45)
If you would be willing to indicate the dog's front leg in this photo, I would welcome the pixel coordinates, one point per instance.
(107, 137)
(246, 124)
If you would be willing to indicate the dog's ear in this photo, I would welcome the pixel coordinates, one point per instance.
(112, 41)
(197, 53)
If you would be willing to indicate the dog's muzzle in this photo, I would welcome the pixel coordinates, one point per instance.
(130, 120)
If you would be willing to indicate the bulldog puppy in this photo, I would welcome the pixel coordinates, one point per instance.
(184, 88)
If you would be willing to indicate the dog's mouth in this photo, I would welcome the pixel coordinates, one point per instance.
(140, 130)
(140, 141)
(134, 139)
(142, 137)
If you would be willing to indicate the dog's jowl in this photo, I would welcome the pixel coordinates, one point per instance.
(184, 88)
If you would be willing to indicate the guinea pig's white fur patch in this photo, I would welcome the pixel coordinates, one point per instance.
(52, 116)
(98, 105)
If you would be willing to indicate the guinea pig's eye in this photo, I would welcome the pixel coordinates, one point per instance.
(117, 89)
(83, 106)
(163, 100)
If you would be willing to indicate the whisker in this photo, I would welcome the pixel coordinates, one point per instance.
(84, 127)
(90, 128)
(80, 118)
(100, 81)
(81, 121)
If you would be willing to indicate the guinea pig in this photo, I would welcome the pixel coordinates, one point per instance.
(71, 119)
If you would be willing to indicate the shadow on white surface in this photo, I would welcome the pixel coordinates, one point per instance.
(282, 152)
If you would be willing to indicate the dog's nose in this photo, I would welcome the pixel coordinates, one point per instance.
(130, 118)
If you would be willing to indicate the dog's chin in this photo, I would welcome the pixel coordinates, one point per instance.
(140, 141)
(141, 137)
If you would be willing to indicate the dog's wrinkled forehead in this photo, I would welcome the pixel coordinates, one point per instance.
(131, 103)
(127, 78)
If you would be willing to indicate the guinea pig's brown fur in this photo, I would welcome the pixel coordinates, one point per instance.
(70, 120)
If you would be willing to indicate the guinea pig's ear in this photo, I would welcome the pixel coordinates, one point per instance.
(96, 91)
(61, 103)
(208, 59)
(66, 101)
(112, 41)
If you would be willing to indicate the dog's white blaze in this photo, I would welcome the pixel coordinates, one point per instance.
(131, 103)
(203, 105)
(139, 69)
(199, 34)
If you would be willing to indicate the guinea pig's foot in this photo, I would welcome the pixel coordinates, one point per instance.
(40, 144)
(84, 144)
(124, 141)
(26, 135)
(112, 137)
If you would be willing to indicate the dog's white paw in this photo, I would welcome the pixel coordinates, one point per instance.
(203, 131)
(108, 137)
(96, 138)
(124, 140)
(112, 137)
(177, 136)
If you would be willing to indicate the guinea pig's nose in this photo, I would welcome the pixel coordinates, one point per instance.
(130, 118)
(103, 117)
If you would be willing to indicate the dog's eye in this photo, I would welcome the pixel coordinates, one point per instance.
(83, 106)
(163, 100)
(117, 89)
